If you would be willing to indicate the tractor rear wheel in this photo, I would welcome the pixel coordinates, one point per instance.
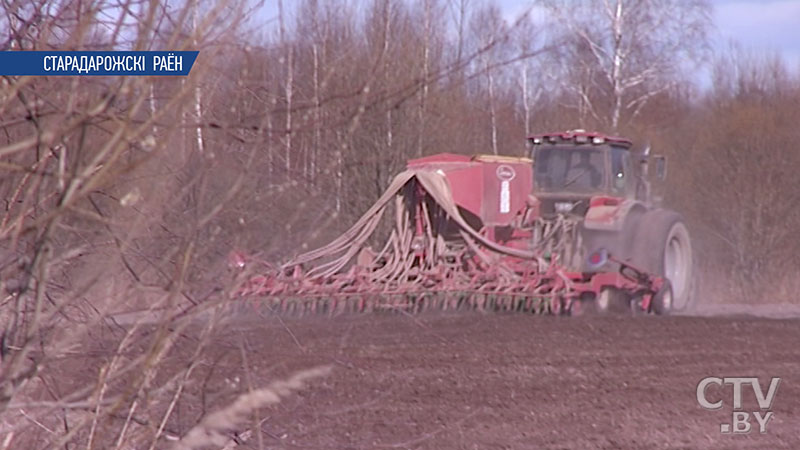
(665, 249)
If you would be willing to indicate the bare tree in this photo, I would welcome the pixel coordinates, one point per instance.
(95, 220)
(491, 32)
(430, 9)
(531, 85)
(288, 61)
(739, 177)
(624, 53)
(459, 10)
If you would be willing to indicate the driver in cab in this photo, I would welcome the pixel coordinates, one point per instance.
(584, 174)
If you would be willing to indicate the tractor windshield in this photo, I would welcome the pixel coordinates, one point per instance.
(569, 169)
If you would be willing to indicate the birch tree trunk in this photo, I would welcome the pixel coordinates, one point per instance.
(198, 109)
(426, 53)
(526, 107)
(288, 88)
(317, 116)
(492, 111)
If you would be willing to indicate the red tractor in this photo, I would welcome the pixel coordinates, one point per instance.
(592, 180)
(569, 229)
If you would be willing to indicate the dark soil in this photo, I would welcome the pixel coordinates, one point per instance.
(492, 381)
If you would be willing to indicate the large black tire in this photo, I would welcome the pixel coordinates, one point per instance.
(663, 299)
(611, 300)
(664, 247)
(620, 244)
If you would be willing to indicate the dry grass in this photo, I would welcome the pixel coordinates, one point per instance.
(213, 429)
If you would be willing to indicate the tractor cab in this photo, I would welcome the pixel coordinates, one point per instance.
(571, 168)
(578, 163)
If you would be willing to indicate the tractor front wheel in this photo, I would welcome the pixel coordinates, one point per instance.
(613, 300)
(663, 299)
